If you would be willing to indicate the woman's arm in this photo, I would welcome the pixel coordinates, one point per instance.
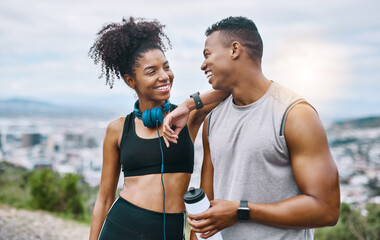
(186, 113)
(109, 179)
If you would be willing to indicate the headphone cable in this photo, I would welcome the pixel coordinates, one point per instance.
(162, 175)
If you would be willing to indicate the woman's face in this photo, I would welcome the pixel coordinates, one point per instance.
(153, 77)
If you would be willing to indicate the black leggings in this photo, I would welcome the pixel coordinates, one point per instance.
(127, 221)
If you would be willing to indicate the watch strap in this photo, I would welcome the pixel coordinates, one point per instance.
(244, 204)
(197, 100)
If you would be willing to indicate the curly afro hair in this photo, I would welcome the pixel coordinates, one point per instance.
(243, 30)
(119, 45)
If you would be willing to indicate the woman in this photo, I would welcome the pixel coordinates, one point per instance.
(155, 177)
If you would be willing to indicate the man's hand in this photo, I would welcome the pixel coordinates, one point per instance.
(220, 215)
(177, 118)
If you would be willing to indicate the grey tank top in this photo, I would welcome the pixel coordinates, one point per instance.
(251, 160)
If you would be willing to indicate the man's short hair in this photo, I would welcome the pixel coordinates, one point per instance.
(243, 30)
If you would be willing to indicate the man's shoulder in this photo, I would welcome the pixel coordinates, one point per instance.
(282, 93)
(222, 105)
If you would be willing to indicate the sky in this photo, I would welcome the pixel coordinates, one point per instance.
(326, 51)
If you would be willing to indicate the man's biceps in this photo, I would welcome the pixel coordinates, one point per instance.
(313, 173)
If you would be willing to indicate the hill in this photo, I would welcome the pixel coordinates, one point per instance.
(18, 107)
(367, 122)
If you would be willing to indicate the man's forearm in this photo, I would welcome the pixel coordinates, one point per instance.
(301, 211)
(208, 98)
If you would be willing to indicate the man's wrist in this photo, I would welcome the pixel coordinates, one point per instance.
(235, 205)
(243, 211)
(190, 104)
(197, 100)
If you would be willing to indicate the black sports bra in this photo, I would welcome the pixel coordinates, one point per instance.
(140, 156)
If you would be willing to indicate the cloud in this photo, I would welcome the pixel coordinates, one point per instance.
(44, 45)
(313, 68)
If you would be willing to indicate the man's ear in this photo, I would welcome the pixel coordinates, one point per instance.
(130, 81)
(236, 49)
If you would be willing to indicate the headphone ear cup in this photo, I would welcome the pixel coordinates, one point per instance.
(150, 117)
(157, 115)
(146, 118)
(166, 106)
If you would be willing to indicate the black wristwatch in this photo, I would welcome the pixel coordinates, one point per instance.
(197, 100)
(243, 211)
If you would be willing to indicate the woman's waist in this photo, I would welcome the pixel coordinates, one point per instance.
(154, 202)
(147, 191)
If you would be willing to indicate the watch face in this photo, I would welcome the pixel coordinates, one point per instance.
(243, 213)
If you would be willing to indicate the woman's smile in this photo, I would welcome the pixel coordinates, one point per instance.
(163, 88)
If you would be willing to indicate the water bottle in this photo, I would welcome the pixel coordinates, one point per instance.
(197, 202)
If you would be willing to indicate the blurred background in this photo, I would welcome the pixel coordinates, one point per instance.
(54, 109)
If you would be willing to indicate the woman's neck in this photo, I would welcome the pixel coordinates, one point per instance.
(144, 105)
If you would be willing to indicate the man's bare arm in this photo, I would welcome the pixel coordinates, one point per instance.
(184, 114)
(315, 173)
(207, 172)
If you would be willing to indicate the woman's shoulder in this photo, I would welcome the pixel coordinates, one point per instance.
(116, 125)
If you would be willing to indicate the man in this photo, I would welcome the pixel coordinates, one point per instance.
(267, 167)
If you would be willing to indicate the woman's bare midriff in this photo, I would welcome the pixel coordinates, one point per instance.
(146, 191)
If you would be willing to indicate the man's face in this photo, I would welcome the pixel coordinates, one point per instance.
(217, 63)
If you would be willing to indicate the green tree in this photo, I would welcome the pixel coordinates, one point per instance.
(45, 190)
(72, 195)
(54, 193)
(373, 220)
(353, 225)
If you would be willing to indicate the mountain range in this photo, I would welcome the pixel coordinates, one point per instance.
(365, 122)
(19, 107)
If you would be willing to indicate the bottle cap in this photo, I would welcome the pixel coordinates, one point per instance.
(194, 195)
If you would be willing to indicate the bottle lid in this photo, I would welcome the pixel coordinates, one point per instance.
(194, 195)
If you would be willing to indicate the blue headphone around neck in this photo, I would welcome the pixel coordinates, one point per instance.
(151, 117)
